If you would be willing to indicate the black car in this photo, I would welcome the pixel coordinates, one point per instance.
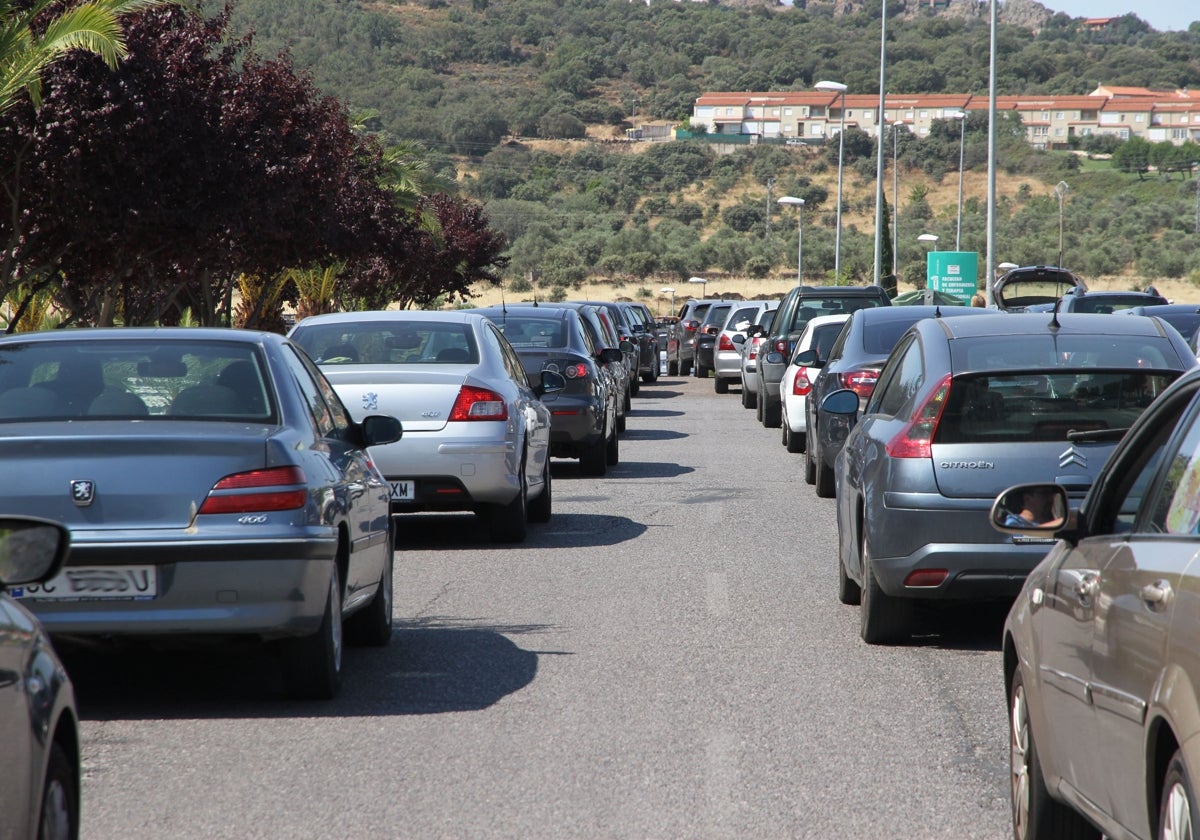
(622, 321)
(645, 331)
(1184, 317)
(1104, 302)
(681, 344)
(795, 310)
(583, 416)
(39, 724)
(854, 362)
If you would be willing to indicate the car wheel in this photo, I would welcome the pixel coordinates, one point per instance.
(826, 488)
(749, 398)
(621, 423)
(1036, 815)
(810, 466)
(313, 664)
(883, 620)
(372, 626)
(612, 452)
(672, 368)
(771, 415)
(848, 591)
(594, 461)
(702, 371)
(758, 410)
(510, 523)
(635, 386)
(721, 385)
(1175, 812)
(628, 403)
(539, 508)
(59, 817)
(685, 367)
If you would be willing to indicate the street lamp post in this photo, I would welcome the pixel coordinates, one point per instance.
(1060, 191)
(669, 290)
(839, 88)
(700, 281)
(798, 203)
(879, 141)
(931, 238)
(961, 116)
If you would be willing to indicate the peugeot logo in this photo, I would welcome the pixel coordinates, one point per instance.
(1072, 456)
(370, 401)
(83, 491)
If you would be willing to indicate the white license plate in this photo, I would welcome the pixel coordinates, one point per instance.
(403, 490)
(95, 583)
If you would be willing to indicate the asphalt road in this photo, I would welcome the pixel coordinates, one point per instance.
(665, 659)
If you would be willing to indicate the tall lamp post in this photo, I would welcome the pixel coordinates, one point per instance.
(839, 88)
(671, 291)
(879, 141)
(701, 282)
(798, 203)
(1060, 191)
(961, 116)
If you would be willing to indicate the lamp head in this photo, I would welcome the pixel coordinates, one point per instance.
(832, 87)
(791, 200)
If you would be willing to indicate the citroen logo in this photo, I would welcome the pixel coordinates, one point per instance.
(370, 401)
(83, 491)
(1072, 456)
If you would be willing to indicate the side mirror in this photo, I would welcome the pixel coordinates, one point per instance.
(31, 550)
(755, 329)
(843, 403)
(637, 329)
(628, 347)
(1033, 509)
(611, 355)
(738, 338)
(551, 383)
(808, 358)
(380, 429)
(773, 358)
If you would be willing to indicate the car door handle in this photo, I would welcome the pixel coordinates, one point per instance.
(1087, 587)
(1159, 592)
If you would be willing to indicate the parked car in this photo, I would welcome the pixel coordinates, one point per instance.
(681, 345)
(1102, 302)
(1184, 317)
(39, 723)
(1100, 645)
(819, 336)
(751, 349)
(964, 408)
(800, 305)
(476, 434)
(706, 337)
(645, 330)
(600, 330)
(854, 362)
(583, 415)
(214, 485)
(663, 327)
(727, 352)
(1031, 285)
(621, 319)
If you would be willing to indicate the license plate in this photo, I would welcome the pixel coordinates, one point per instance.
(95, 583)
(403, 490)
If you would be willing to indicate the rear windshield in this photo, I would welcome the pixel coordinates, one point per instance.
(134, 379)
(717, 314)
(879, 339)
(533, 332)
(824, 337)
(1108, 303)
(742, 318)
(1035, 406)
(810, 308)
(1048, 351)
(388, 343)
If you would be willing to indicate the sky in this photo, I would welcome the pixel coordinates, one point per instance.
(1163, 15)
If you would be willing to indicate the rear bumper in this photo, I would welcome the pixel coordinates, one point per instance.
(481, 468)
(727, 365)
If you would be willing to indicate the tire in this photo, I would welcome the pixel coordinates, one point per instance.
(749, 398)
(702, 371)
(612, 452)
(635, 386)
(848, 591)
(685, 367)
(721, 385)
(883, 620)
(794, 441)
(628, 403)
(672, 368)
(810, 466)
(772, 416)
(594, 462)
(372, 625)
(312, 665)
(758, 410)
(826, 486)
(59, 816)
(621, 423)
(1035, 814)
(540, 508)
(1177, 807)
(510, 523)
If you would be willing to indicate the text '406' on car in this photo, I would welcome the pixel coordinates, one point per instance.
(214, 486)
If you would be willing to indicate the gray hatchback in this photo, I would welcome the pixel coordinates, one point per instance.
(964, 408)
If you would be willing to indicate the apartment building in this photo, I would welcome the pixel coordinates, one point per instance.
(1049, 121)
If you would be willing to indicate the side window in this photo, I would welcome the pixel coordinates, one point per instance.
(322, 416)
(512, 362)
(589, 339)
(1175, 507)
(835, 352)
(902, 377)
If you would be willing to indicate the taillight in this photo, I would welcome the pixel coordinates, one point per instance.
(478, 404)
(781, 346)
(246, 492)
(710, 330)
(915, 438)
(861, 382)
(725, 343)
(690, 326)
(579, 371)
(800, 383)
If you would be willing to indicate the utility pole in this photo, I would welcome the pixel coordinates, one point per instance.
(770, 183)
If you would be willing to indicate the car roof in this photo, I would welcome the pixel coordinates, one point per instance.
(558, 309)
(1039, 323)
(162, 333)
(883, 314)
(840, 291)
(1162, 309)
(453, 316)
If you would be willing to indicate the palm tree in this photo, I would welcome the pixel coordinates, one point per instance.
(26, 51)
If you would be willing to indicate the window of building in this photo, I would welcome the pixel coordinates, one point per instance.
(787, 112)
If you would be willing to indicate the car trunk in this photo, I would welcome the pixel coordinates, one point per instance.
(975, 471)
(420, 398)
(144, 475)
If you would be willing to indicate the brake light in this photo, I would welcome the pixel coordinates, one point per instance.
(244, 492)
(478, 404)
(781, 346)
(690, 326)
(725, 343)
(579, 371)
(801, 385)
(915, 438)
(861, 382)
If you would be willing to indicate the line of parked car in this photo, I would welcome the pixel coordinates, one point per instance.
(1044, 454)
(170, 486)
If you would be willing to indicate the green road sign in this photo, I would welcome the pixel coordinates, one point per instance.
(953, 273)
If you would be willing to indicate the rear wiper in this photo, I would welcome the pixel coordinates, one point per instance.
(1097, 434)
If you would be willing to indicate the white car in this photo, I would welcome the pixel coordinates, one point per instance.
(820, 333)
(727, 351)
(476, 434)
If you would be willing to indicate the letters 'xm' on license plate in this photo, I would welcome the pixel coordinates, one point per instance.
(404, 490)
(95, 583)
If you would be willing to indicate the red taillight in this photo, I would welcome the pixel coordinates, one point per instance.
(690, 326)
(861, 382)
(914, 439)
(579, 371)
(725, 343)
(781, 346)
(800, 384)
(232, 495)
(926, 577)
(478, 404)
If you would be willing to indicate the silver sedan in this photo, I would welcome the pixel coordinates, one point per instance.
(476, 434)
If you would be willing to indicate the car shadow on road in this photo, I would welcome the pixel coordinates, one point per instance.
(662, 395)
(432, 666)
(960, 626)
(418, 532)
(653, 434)
(651, 412)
